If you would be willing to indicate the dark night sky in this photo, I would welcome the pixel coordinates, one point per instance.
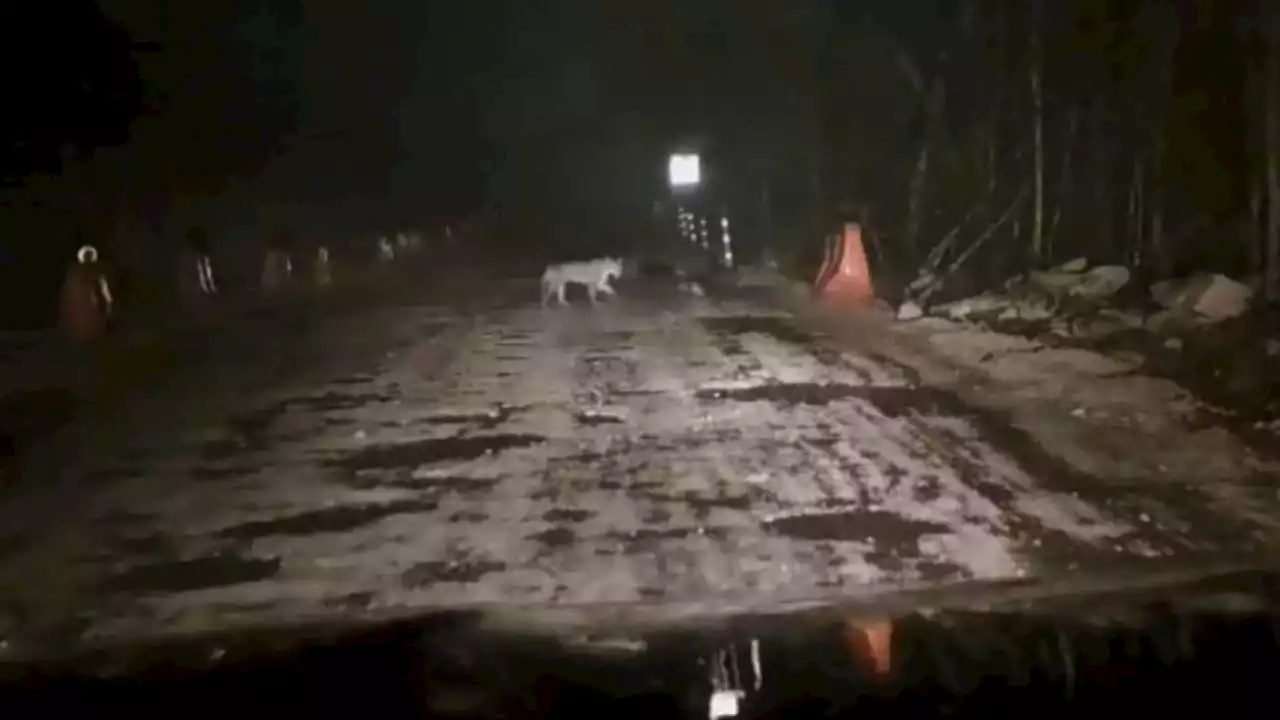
(324, 101)
(338, 118)
(344, 118)
(433, 108)
(337, 113)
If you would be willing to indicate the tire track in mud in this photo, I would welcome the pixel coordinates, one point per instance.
(1156, 526)
(633, 521)
(143, 544)
(140, 536)
(637, 452)
(718, 511)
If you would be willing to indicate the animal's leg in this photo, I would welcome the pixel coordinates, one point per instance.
(560, 294)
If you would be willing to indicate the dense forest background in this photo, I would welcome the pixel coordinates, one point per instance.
(1128, 131)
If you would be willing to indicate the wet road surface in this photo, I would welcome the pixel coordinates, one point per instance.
(659, 448)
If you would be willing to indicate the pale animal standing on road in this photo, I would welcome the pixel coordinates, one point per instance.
(386, 251)
(596, 275)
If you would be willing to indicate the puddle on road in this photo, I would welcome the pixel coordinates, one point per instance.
(250, 431)
(885, 528)
(573, 515)
(556, 537)
(783, 393)
(892, 402)
(343, 518)
(593, 418)
(133, 544)
(650, 539)
(215, 473)
(701, 506)
(425, 574)
(358, 379)
(351, 602)
(781, 328)
(200, 573)
(633, 392)
(485, 419)
(334, 401)
(449, 483)
(656, 516)
(426, 452)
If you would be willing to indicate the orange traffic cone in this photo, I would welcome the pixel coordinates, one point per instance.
(871, 644)
(849, 282)
(82, 315)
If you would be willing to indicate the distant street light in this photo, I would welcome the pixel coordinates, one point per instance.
(684, 170)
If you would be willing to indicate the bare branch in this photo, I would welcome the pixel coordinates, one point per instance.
(988, 233)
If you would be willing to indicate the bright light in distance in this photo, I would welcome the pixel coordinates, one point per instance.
(684, 170)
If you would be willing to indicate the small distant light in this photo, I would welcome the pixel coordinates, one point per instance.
(724, 704)
(684, 170)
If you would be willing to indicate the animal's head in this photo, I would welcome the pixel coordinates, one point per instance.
(87, 255)
(613, 266)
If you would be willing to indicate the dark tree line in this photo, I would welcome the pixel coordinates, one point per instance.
(1131, 131)
(71, 89)
(1134, 131)
(71, 85)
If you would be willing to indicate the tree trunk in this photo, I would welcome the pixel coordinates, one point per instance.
(1037, 130)
(1159, 254)
(1064, 179)
(919, 176)
(1271, 277)
(1134, 220)
(1163, 24)
(1257, 257)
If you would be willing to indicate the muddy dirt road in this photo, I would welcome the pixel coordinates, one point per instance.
(661, 448)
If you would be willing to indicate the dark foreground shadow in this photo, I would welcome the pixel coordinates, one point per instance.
(1149, 656)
